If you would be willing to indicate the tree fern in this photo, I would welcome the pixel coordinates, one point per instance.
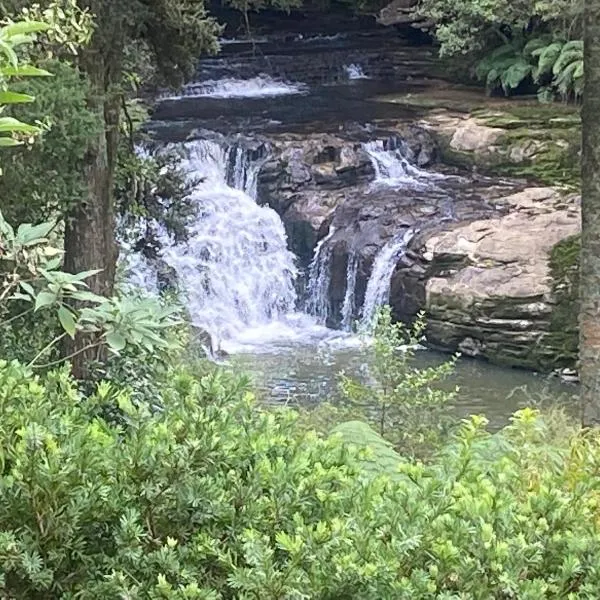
(546, 58)
(514, 75)
(565, 80)
(566, 58)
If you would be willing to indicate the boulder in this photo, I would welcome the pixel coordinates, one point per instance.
(470, 136)
(488, 290)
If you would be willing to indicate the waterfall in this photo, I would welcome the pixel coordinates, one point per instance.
(378, 286)
(235, 268)
(354, 71)
(261, 86)
(348, 305)
(393, 168)
(319, 277)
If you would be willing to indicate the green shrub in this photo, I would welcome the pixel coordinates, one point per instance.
(399, 399)
(213, 498)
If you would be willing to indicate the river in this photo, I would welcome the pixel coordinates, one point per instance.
(236, 270)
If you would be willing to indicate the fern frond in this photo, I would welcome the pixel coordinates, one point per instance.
(567, 57)
(564, 81)
(573, 45)
(547, 57)
(535, 45)
(515, 75)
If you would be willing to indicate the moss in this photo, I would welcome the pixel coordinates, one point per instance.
(563, 336)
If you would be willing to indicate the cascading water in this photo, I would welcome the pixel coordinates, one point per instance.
(348, 305)
(378, 287)
(392, 167)
(261, 86)
(235, 268)
(354, 71)
(319, 277)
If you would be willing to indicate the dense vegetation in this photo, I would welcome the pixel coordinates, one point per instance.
(156, 477)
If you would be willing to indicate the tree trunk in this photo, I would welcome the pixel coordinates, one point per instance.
(90, 228)
(589, 359)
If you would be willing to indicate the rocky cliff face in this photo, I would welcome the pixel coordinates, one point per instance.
(486, 284)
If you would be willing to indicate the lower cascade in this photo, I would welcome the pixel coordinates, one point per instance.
(233, 243)
(235, 269)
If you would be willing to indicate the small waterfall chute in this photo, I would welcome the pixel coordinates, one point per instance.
(319, 279)
(378, 286)
(355, 71)
(235, 268)
(349, 296)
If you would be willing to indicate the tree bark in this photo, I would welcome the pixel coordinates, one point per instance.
(589, 359)
(90, 228)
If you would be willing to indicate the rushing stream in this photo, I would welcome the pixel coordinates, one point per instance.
(239, 277)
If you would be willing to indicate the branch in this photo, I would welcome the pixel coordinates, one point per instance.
(45, 349)
(54, 363)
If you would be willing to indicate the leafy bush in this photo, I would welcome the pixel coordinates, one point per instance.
(401, 401)
(555, 66)
(214, 498)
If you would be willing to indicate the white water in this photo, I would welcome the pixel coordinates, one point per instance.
(257, 87)
(235, 268)
(378, 287)
(319, 278)
(348, 305)
(354, 71)
(235, 272)
(393, 169)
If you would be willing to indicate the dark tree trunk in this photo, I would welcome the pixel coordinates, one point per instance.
(90, 228)
(589, 360)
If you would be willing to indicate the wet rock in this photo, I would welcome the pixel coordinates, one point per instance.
(308, 177)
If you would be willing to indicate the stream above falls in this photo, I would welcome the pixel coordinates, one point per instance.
(282, 308)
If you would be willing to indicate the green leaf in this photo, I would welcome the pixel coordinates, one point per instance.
(9, 125)
(67, 320)
(44, 299)
(30, 235)
(383, 459)
(8, 97)
(24, 71)
(23, 28)
(547, 57)
(116, 341)
(85, 274)
(8, 51)
(515, 75)
(6, 142)
(28, 288)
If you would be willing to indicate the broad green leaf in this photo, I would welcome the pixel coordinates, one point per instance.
(24, 71)
(23, 28)
(67, 320)
(28, 288)
(9, 124)
(8, 97)
(85, 274)
(53, 264)
(116, 341)
(85, 296)
(7, 142)
(30, 235)
(44, 299)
